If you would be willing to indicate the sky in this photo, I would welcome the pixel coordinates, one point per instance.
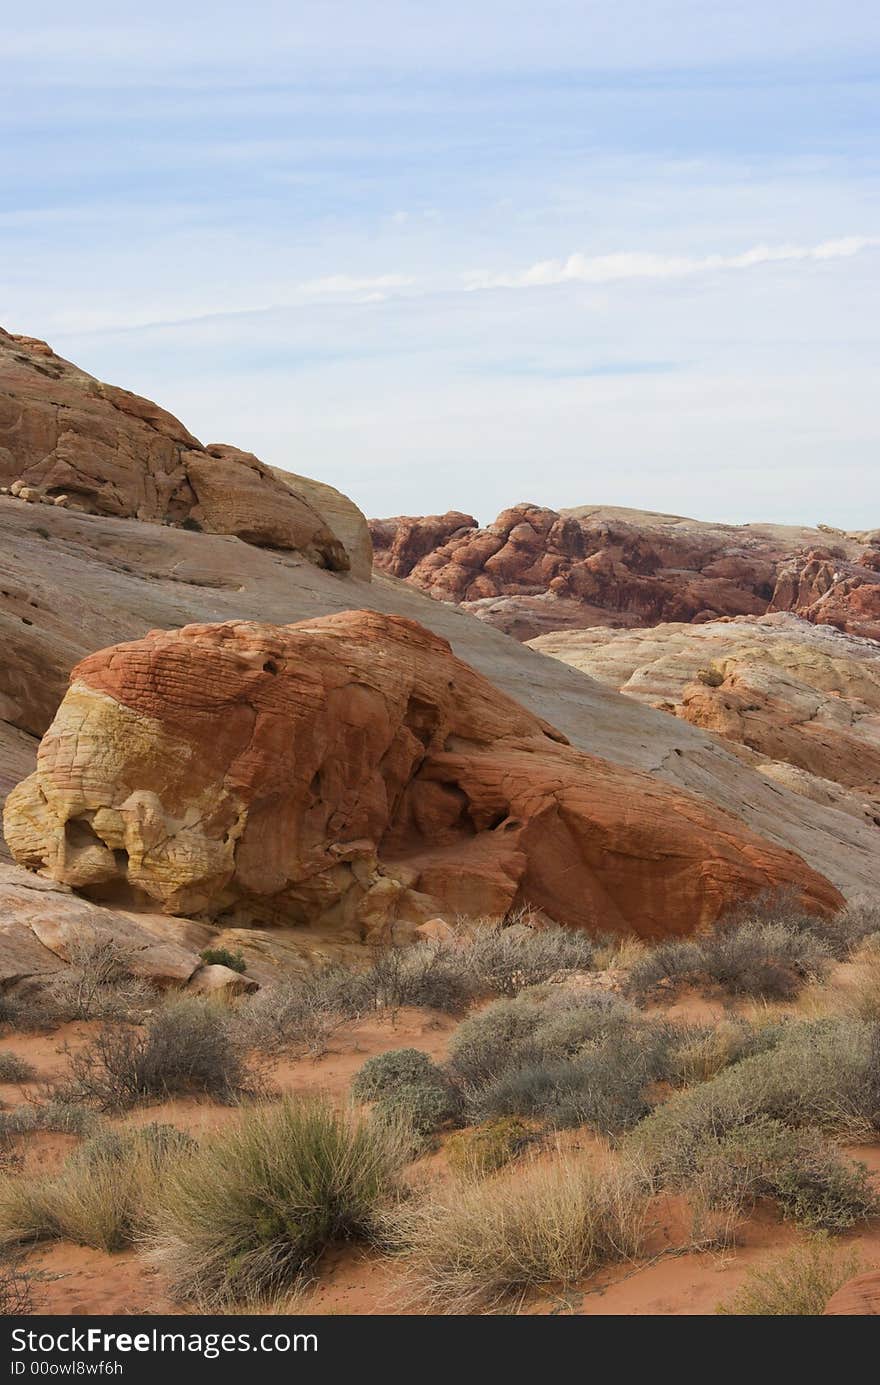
(459, 256)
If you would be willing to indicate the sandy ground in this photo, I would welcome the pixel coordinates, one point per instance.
(669, 1280)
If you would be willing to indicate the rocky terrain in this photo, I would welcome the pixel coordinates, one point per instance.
(241, 765)
(537, 570)
(799, 702)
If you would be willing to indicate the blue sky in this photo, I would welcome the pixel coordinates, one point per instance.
(458, 256)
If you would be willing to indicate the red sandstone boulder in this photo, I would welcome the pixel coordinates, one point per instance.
(859, 1296)
(350, 772)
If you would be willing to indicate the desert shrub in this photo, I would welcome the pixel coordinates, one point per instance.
(408, 1088)
(62, 1117)
(424, 1107)
(818, 1074)
(96, 985)
(222, 957)
(484, 1149)
(742, 956)
(504, 961)
(587, 1060)
(15, 1069)
(603, 1088)
(798, 1284)
(840, 934)
(388, 1071)
(512, 1033)
(250, 1213)
(100, 1197)
(811, 1183)
(189, 1045)
(484, 1245)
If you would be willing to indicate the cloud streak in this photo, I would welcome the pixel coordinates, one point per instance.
(625, 265)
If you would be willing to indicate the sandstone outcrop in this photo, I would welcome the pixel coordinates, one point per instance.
(68, 439)
(857, 1297)
(803, 701)
(535, 570)
(350, 772)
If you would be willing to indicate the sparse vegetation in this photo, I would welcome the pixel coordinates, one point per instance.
(798, 1284)
(189, 1045)
(97, 984)
(249, 1214)
(486, 1244)
(753, 958)
(15, 1290)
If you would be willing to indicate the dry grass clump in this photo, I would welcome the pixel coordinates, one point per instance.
(100, 1197)
(249, 1214)
(188, 1045)
(483, 1246)
(798, 1284)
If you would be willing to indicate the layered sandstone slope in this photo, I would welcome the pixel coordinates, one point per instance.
(802, 700)
(535, 570)
(72, 583)
(351, 772)
(68, 439)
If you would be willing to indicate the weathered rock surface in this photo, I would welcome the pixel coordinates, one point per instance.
(857, 1297)
(536, 570)
(802, 700)
(351, 772)
(95, 581)
(68, 439)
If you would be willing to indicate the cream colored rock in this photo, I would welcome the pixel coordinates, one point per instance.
(212, 979)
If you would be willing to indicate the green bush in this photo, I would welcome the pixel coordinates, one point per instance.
(407, 1087)
(252, 1211)
(222, 957)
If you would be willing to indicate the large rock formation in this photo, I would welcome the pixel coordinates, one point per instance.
(536, 570)
(68, 439)
(802, 701)
(351, 772)
(858, 1297)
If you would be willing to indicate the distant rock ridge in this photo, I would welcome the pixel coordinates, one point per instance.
(351, 773)
(535, 570)
(69, 440)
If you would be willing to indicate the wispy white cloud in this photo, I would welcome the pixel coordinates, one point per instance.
(606, 269)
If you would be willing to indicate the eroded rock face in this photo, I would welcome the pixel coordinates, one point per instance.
(802, 701)
(536, 570)
(68, 439)
(858, 1297)
(351, 772)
